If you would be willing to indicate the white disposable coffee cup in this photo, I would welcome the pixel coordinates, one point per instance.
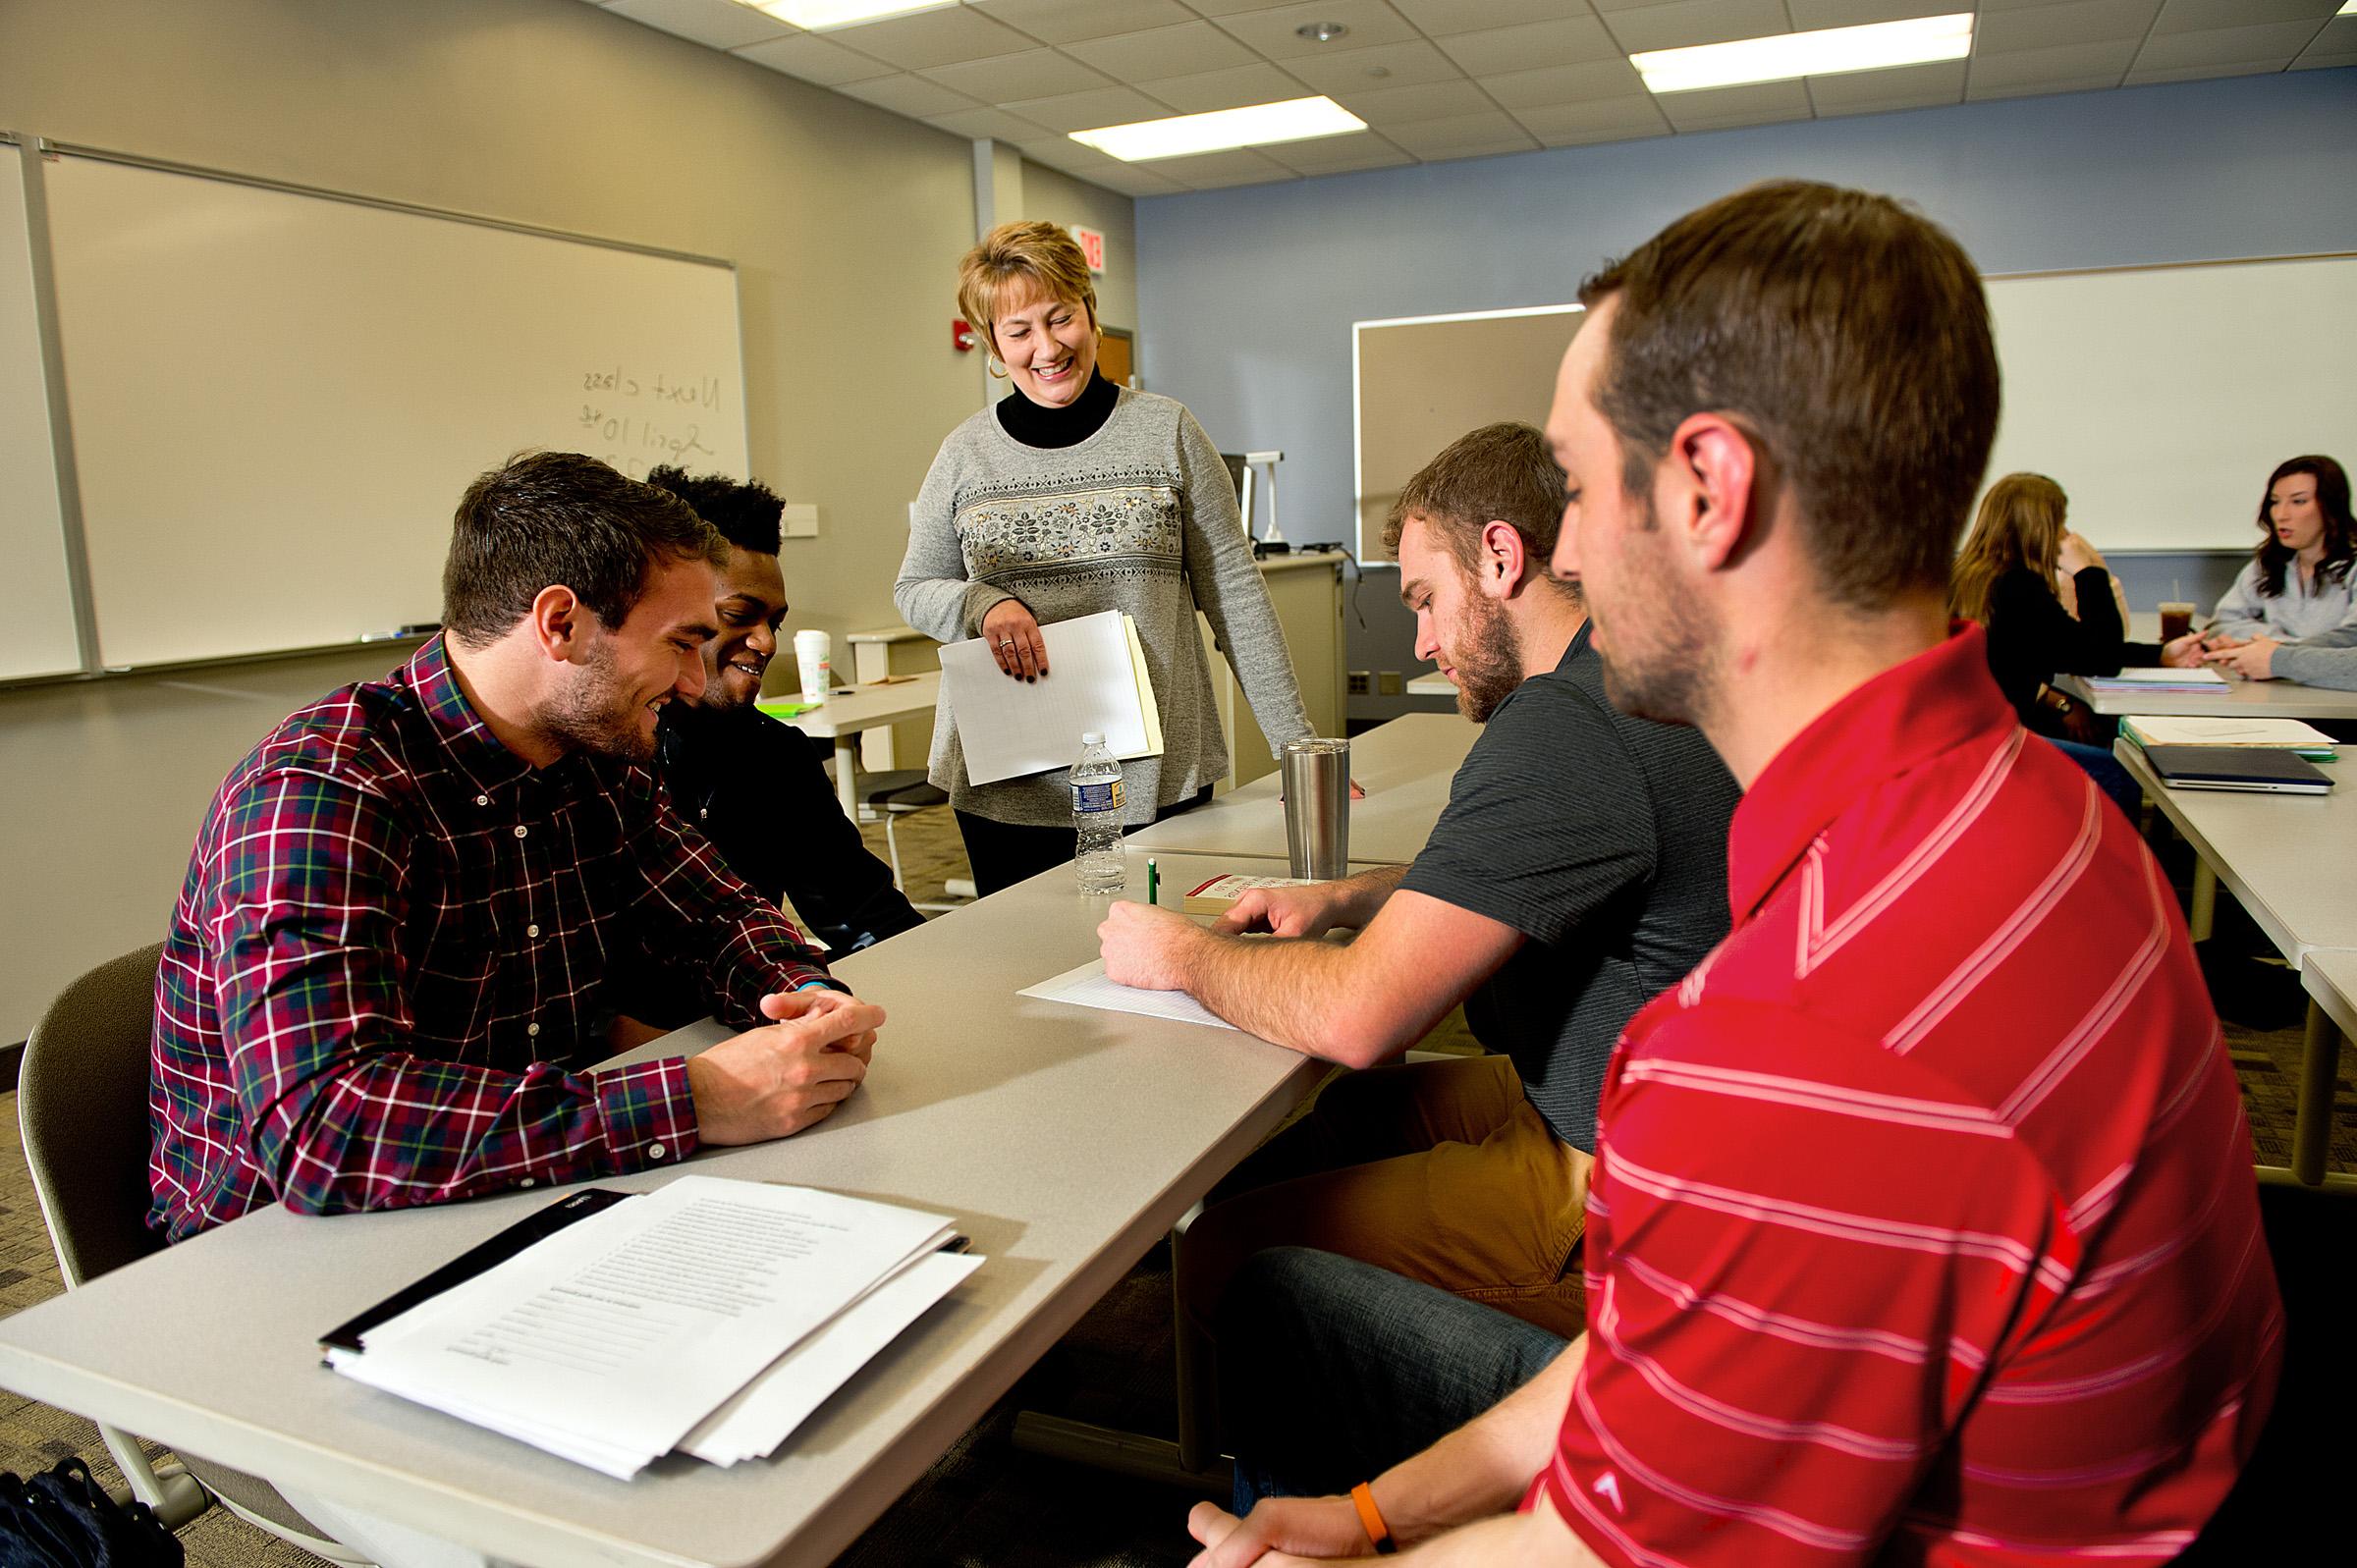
(812, 652)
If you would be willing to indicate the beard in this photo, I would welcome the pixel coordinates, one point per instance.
(596, 714)
(1488, 663)
(1656, 652)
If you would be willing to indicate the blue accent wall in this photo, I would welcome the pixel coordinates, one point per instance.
(1247, 296)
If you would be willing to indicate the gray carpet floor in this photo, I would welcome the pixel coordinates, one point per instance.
(984, 1504)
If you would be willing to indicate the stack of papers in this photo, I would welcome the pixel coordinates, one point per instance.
(711, 1316)
(2155, 680)
(2289, 734)
(1097, 683)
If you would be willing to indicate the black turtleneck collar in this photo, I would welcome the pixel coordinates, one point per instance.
(1036, 425)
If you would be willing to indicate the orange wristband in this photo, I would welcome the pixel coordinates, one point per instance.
(1370, 1519)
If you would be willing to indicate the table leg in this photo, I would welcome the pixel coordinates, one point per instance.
(2319, 1068)
(846, 775)
(2204, 912)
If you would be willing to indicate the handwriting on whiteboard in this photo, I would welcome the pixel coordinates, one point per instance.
(640, 419)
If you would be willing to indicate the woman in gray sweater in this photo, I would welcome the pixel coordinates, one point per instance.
(1071, 496)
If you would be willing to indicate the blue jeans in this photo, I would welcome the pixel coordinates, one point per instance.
(2105, 768)
(1333, 1371)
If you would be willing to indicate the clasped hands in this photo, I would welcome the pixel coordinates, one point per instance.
(787, 1074)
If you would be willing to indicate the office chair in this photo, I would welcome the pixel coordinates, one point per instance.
(82, 1098)
(901, 792)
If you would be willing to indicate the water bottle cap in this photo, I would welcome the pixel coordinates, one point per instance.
(1089, 737)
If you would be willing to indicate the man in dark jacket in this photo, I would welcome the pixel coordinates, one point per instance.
(751, 784)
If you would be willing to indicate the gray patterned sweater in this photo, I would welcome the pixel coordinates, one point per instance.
(1140, 516)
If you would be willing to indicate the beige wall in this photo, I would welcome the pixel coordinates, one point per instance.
(846, 224)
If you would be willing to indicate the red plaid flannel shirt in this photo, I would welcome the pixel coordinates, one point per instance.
(393, 941)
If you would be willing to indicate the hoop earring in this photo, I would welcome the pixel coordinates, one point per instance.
(997, 371)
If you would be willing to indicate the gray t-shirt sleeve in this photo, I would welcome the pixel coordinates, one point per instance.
(1549, 818)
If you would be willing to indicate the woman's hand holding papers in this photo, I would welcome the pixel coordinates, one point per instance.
(1013, 632)
(781, 1077)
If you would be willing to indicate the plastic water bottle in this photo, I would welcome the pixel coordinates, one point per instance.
(1097, 817)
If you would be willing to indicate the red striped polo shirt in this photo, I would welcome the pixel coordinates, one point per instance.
(1923, 1228)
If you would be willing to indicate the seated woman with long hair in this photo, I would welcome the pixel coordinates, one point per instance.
(2296, 590)
(2011, 576)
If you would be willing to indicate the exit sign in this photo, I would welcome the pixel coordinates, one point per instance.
(1092, 246)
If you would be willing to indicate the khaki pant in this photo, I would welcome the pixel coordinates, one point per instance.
(1439, 1170)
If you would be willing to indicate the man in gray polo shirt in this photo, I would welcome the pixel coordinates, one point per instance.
(1579, 868)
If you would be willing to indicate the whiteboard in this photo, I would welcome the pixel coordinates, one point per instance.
(277, 398)
(2160, 397)
(36, 595)
(1420, 382)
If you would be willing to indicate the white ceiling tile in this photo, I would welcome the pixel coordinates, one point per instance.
(815, 59)
(1364, 150)
(1976, 91)
(2277, 41)
(2068, 62)
(996, 124)
(1214, 170)
(1598, 79)
(1876, 91)
(1564, 41)
(1371, 22)
(1440, 17)
(933, 38)
(721, 23)
(2207, 15)
(1033, 74)
(1430, 100)
(1225, 89)
(1718, 108)
(1179, 51)
(1401, 65)
(1464, 136)
(1063, 152)
(2336, 45)
(1810, 15)
(1564, 124)
(1062, 21)
(1136, 180)
(1682, 24)
(1089, 111)
(908, 94)
(2257, 67)
(2051, 27)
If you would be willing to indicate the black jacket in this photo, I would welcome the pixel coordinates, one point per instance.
(756, 788)
(2032, 639)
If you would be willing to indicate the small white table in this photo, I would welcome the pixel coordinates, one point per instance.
(2241, 700)
(2286, 859)
(1404, 766)
(847, 713)
(1063, 1140)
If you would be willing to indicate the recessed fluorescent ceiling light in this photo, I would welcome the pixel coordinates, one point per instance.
(1827, 52)
(816, 15)
(1258, 126)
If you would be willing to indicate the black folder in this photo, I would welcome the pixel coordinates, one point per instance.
(533, 1228)
(2259, 768)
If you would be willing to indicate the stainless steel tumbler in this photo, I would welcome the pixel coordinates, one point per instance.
(1317, 807)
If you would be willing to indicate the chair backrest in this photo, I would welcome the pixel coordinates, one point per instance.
(81, 1097)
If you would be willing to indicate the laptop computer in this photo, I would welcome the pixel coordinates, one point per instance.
(2259, 768)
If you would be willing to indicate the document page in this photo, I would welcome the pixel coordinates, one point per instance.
(620, 1333)
(754, 1425)
(1011, 727)
(1087, 987)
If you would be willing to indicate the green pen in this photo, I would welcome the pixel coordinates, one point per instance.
(1153, 880)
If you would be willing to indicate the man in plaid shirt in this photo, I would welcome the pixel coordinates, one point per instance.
(402, 911)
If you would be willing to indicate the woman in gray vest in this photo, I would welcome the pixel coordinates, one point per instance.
(1071, 496)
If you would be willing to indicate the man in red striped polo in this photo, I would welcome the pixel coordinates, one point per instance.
(1923, 1228)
